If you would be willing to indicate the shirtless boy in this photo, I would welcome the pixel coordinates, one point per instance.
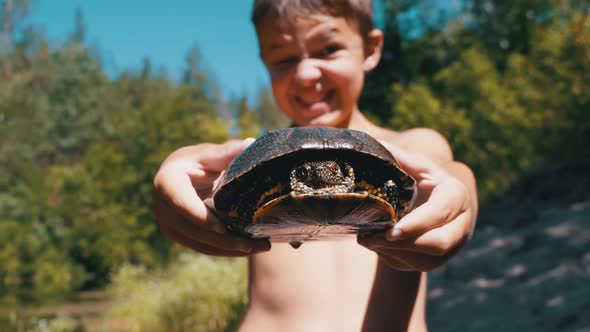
(317, 53)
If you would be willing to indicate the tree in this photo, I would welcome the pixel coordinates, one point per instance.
(504, 27)
(78, 152)
(246, 118)
(506, 120)
(196, 75)
(6, 40)
(268, 115)
(11, 14)
(415, 46)
(390, 69)
(79, 34)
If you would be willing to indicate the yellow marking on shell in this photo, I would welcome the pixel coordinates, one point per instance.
(364, 185)
(233, 213)
(276, 189)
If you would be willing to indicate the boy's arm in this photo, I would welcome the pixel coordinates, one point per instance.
(446, 208)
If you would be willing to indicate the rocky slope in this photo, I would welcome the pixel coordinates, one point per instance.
(528, 266)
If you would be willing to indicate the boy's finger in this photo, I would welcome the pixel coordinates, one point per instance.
(441, 207)
(204, 248)
(416, 165)
(383, 254)
(436, 242)
(418, 262)
(396, 263)
(176, 195)
(405, 260)
(176, 224)
(218, 159)
(197, 246)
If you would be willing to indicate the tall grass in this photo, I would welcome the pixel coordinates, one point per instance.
(196, 293)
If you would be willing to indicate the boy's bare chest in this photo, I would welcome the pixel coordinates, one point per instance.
(321, 280)
(325, 288)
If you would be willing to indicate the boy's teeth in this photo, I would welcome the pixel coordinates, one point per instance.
(311, 101)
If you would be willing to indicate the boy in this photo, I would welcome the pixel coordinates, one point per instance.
(317, 53)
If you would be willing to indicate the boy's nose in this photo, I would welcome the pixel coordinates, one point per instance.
(307, 73)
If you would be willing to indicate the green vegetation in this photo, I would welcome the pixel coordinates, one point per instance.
(196, 293)
(507, 83)
(503, 81)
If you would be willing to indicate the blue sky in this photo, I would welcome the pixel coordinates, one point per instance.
(126, 31)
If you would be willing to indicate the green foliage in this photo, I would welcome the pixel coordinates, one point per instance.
(20, 321)
(480, 117)
(506, 27)
(246, 119)
(32, 267)
(251, 121)
(195, 75)
(414, 45)
(450, 121)
(505, 110)
(78, 152)
(268, 114)
(58, 324)
(196, 293)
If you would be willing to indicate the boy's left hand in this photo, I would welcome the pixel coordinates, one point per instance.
(441, 223)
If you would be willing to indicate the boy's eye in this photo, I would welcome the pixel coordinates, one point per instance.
(286, 62)
(329, 50)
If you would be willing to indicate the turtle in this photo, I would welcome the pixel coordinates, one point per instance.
(313, 183)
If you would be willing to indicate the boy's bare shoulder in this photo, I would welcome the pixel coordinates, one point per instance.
(425, 141)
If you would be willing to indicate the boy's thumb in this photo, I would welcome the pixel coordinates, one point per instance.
(220, 159)
(415, 164)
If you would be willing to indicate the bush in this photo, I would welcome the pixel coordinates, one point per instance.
(196, 293)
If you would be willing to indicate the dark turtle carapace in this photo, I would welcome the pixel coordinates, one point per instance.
(298, 184)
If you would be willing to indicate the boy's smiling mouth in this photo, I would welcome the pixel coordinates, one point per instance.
(315, 104)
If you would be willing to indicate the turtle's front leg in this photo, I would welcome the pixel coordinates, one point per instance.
(389, 189)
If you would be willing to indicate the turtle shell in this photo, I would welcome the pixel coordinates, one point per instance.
(259, 195)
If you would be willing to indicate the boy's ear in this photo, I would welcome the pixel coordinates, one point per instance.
(373, 49)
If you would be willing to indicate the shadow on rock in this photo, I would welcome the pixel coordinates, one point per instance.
(528, 266)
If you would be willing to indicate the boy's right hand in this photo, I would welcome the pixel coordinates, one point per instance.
(182, 209)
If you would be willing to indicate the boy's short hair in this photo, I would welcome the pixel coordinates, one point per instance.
(360, 11)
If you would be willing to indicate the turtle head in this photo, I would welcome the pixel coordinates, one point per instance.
(322, 177)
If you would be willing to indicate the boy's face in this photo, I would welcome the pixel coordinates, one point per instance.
(317, 66)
